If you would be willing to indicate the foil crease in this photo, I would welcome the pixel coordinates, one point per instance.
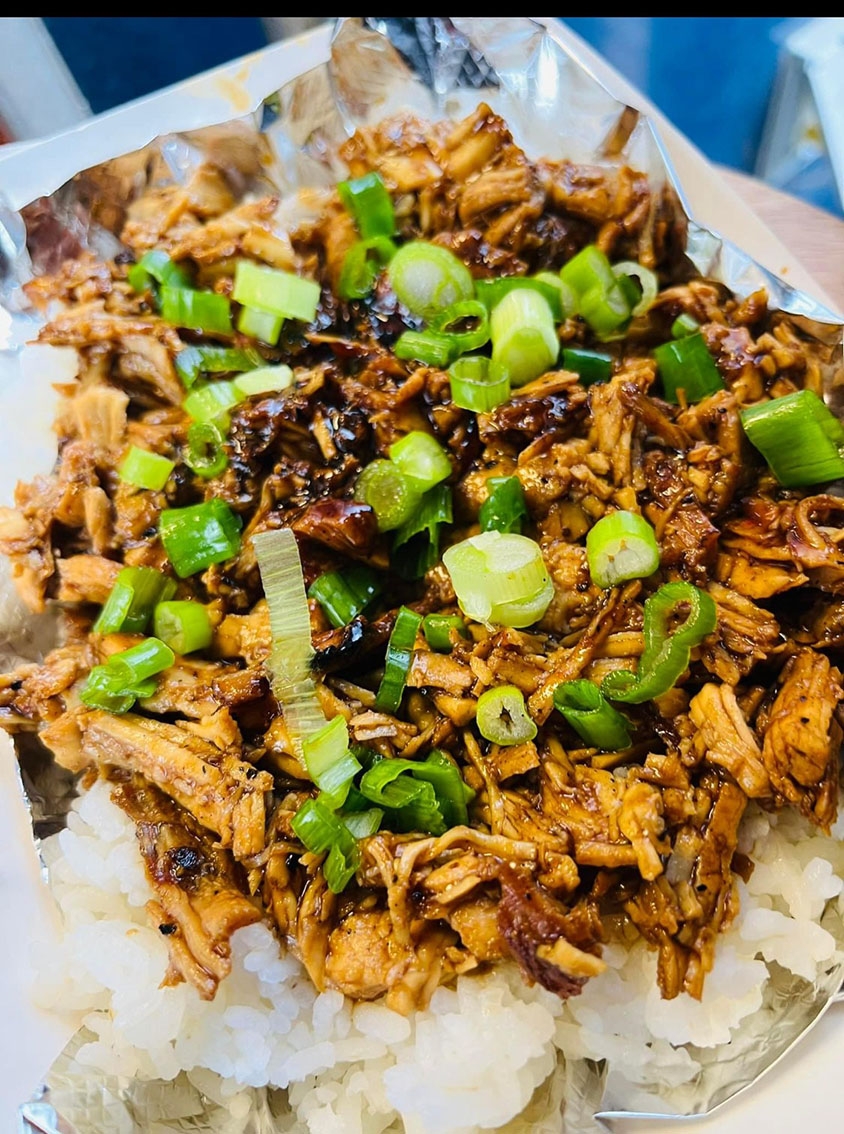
(436, 67)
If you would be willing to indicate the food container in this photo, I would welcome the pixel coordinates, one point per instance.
(537, 57)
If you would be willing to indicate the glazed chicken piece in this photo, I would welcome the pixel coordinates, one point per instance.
(682, 912)
(221, 791)
(199, 899)
(801, 740)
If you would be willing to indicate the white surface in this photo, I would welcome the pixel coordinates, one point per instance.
(38, 94)
(800, 1093)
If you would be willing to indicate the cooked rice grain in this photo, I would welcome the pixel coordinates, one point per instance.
(483, 1051)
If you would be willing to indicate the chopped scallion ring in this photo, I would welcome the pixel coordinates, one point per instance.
(206, 454)
(416, 543)
(261, 325)
(429, 347)
(421, 457)
(344, 595)
(505, 508)
(590, 365)
(212, 400)
(445, 323)
(478, 383)
(799, 437)
(439, 628)
(132, 599)
(265, 380)
(280, 293)
(399, 658)
(524, 338)
(183, 626)
(500, 578)
(621, 546)
(427, 278)
(647, 280)
(686, 365)
(199, 535)
(156, 267)
(361, 265)
(144, 469)
(196, 360)
(196, 310)
(591, 716)
(391, 494)
(502, 716)
(140, 662)
(330, 764)
(683, 325)
(369, 202)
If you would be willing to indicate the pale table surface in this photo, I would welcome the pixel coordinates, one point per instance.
(815, 236)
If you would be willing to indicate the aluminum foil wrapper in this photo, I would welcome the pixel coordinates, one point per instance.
(436, 67)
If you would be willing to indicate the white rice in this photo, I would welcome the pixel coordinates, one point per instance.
(483, 1052)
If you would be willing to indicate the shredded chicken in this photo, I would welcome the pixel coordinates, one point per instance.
(558, 847)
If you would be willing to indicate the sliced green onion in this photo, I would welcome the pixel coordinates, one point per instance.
(478, 383)
(361, 266)
(548, 284)
(206, 454)
(368, 201)
(524, 338)
(600, 296)
(212, 400)
(429, 347)
(591, 716)
(505, 509)
(494, 573)
(391, 495)
(411, 802)
(290, 622)
(132, 599)
(519, 613)
(667, 651)
(199, 535)
(261, 325)
(196, 360)
(590, 365)
(425, 795)
(183, 626)
(621, 546)
(455, 316)
(647, 280)
(502, 717)
(140, 662)
(428, 278)
(399, 657)
(265, 380)
(587, 270)
(319, 830)
(684, 325)
(106, 689)
(196, 310)
(421, 458)
(566, 297)
(145, 469)
(330, 764)
(156, 267)
(438, 630)
(416, 544)
(799, 437)
(344, 595)
(362, 824)
(606, 312)
(686, 365)
(278, 292)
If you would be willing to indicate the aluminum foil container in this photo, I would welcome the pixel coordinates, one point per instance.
(286, 139)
